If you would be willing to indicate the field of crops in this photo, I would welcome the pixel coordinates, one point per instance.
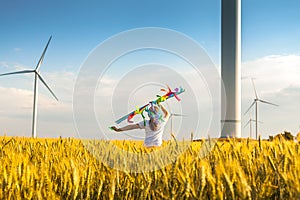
(65, 169)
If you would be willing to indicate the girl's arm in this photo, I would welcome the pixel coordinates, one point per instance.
(166, 113)
(125, 128)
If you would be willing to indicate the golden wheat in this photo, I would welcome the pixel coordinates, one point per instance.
(65, 169)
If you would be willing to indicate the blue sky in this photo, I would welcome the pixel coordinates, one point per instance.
(77, 27)
(269, 27)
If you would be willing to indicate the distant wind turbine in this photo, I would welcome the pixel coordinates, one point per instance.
(256, 100)
(250, 124)
(37, 76)
(174, 115)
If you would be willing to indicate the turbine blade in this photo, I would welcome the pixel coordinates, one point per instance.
(177, 115)
(247, 124)
(43, 54)
(267, 102)
(40, 77)
(254, 88)
(250, 107)
(253, 120)
(19, 72)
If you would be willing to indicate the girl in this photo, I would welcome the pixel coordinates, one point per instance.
(154, 127)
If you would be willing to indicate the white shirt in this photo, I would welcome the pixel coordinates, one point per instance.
(152, 138)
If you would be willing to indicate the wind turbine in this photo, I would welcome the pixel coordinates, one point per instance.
(256, 100)
(175, 115)
(250, 124)
(37, 76)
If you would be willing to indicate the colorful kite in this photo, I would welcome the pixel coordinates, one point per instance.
(140, 110)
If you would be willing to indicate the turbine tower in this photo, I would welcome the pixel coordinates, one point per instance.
(256, 100)
(250, 124)
(37, 76)
(230, 68)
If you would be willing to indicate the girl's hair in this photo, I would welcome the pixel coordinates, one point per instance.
(155, 115)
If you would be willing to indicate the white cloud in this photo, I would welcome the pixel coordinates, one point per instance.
(276, 80)
(4, 64)
(17, 49)
(106, 86)
(61, 82)
(275, 72)
(53, 117)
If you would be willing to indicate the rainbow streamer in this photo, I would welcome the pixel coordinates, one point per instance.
(140, 110)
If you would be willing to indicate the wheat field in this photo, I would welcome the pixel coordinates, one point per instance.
(65, 169)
